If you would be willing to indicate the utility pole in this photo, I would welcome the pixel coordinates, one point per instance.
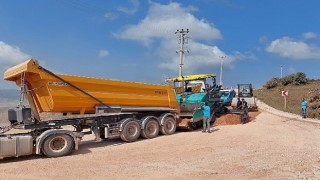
(281, 72)
(183, 39)
(222, 57)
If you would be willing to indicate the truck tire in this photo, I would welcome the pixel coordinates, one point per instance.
(131, 131)
(151, 129)
(169, 126)
(57, 145)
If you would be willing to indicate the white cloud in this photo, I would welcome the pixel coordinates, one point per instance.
(132, 10)
(294, 49)
(200, 56)
(103, 53)
(310, 35)
(11, 55)
(110, 16)
(160, 24)
(163, 20)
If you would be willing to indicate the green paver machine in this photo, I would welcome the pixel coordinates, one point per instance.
(192, 91)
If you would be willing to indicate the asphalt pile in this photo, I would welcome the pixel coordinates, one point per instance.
(231, 119)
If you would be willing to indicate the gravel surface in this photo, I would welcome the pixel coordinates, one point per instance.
(272, 146)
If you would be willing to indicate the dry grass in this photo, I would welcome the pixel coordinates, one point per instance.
(273, 97)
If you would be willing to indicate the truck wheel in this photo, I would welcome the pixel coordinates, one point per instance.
(57, 145)
(169, 126)
(131, 131)
(151, 130)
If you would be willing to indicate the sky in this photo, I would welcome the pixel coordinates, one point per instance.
(135, 40)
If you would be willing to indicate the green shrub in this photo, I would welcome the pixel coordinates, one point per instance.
(295, 79)
(272, 83)
(288, 79)
(300, 79)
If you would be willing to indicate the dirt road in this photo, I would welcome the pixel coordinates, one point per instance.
(270, 147)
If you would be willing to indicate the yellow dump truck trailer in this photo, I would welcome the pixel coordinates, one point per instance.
(107, 107)
(52, 94)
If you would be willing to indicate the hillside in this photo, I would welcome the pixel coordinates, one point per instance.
(273, 97)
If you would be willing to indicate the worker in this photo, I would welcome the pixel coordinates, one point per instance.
(244, 113)
(304, 106)
(239, 104)
(206, 118)
(244, 104)
(215, 86)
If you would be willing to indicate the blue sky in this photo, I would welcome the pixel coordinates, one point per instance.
(135, 40)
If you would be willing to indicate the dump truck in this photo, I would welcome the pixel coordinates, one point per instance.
(103, 107)
(192, 91)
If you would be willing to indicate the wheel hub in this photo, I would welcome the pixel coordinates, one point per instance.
(132, 130)
(151, 129)
(57, 144)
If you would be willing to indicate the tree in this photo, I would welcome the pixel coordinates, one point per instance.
(295, 79)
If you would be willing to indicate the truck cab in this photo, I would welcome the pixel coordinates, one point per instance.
(227, 96)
